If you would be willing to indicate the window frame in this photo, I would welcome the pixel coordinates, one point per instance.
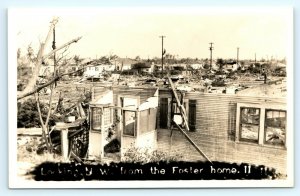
(92, 116)
(241, 123)
(265, 127)
(135, 123)
(262, 122)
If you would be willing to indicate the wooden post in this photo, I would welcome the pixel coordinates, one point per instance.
(102, 133)
(64, 144)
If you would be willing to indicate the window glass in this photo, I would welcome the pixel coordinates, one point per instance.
(275, 124)
(250, 115)
(96, 119)
(129, 123)
(249, 128)
(249, 132)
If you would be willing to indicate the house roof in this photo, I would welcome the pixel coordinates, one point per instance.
(126, 61)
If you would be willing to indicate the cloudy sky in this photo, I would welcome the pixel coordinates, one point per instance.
(135, 32)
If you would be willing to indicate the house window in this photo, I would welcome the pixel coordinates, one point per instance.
(106, 116)
(249, 127)
(96, 118)
(129, 119)
(275, 127)
(96, 69)
(260, 124)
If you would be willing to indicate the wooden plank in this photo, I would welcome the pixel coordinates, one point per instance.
(181, 108)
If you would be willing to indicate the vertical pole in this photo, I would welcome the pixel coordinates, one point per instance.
(64, 144)
(54, 55)
(237, 56)
(162, 53)
(211, 48)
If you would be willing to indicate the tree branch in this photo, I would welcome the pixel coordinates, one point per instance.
(32, 81)
(61, 47)
(39, 60)
(50, 82)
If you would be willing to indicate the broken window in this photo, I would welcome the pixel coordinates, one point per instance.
(96, 118)
(264, 126)
(275, 127)
(249, 124)
(129, 119)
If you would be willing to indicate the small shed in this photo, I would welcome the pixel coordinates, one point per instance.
(120, 120)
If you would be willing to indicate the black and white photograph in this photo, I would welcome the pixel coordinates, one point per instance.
(138, 97)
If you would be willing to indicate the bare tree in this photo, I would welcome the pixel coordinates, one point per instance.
(31, 87)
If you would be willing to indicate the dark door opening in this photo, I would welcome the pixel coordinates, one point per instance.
(163, 123)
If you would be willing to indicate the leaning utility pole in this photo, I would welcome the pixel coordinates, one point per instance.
(162, 53)
(211, 48)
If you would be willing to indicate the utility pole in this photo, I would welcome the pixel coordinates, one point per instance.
(54, 54)
(162, 53)
(211, 49)
(237, 56)
(255, 58)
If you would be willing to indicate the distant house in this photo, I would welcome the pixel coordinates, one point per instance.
(149, 68)
(93, 71)
(123, 64)
(146, 67)
(96, 70)
(231, 66)
(197, 66)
